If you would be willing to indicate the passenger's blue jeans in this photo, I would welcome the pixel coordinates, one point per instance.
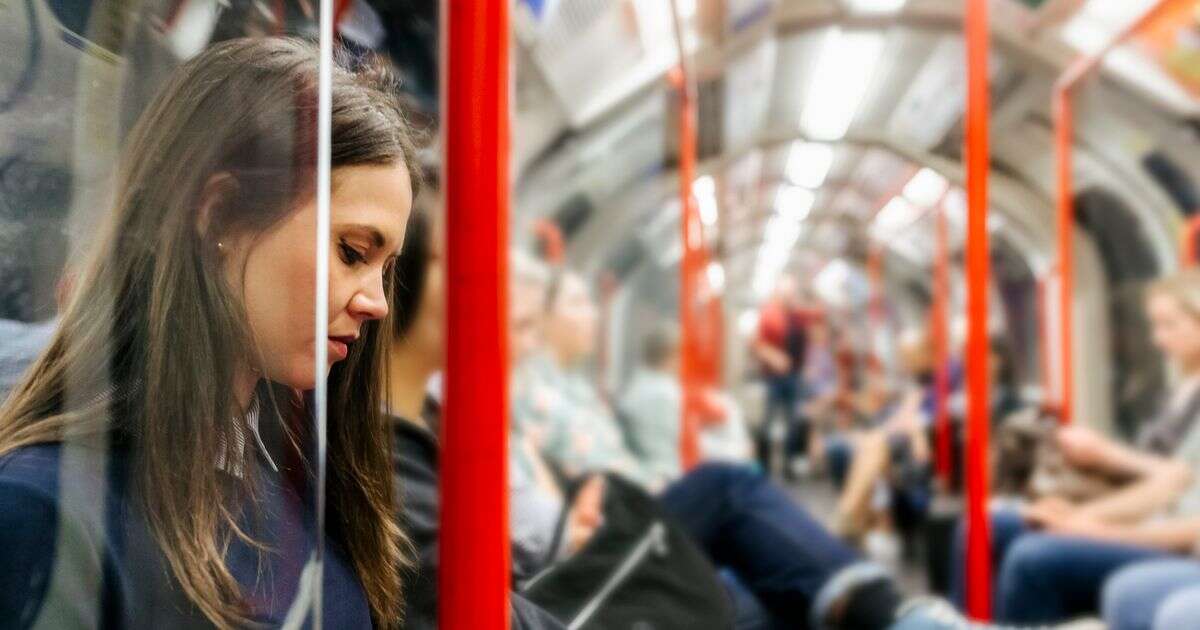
(1006, 527)
(752, 527)
(1044, 578)
(1154, 595)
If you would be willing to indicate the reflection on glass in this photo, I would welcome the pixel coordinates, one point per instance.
(156, 444)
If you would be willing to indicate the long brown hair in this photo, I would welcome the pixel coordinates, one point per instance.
(146, 350)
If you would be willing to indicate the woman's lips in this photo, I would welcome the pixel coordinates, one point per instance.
(339, 347)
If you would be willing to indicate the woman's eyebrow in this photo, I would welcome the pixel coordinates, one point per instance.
(377, 238)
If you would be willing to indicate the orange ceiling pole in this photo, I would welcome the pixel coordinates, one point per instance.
(473, 581)
(1064, 133)
(979, 569)
(940, 340)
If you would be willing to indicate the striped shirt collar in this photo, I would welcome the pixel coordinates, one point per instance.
(240, 426)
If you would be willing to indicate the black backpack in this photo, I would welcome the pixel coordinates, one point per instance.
(639, 571)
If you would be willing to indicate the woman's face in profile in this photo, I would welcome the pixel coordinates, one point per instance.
(574, 320)
(275, 271)
(1175, 331)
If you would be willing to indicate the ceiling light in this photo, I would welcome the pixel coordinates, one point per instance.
(875, 7)
(748, 322)
(808, 164)
(716, 276)
(894, 216)
(794, 203)
(926, 188)
(843, 73)
(705, 191)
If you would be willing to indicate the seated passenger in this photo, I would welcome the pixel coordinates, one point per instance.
(802, 574)
(20, 344)
(155, 460)
(417, 353)
(1058, 572)
(652, 407)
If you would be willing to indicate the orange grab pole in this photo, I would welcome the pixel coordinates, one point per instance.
(875, 280)
(1187, 245)
(941, 351)
(1064, 132)
(690, 270)
(474, 552)
(692, 265)
(1043, 324)
(979, 578)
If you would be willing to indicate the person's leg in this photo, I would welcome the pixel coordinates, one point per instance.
(839, 455)
(749, 613)
(870, 462)
(784, 556)
(1180, 611)
(1133, 595)
(1046, 578)
(1007, 526)
(772, 431)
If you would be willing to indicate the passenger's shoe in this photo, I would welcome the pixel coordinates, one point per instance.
(883, 547)
(931, 613)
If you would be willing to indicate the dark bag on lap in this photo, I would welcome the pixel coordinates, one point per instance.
(639, 571)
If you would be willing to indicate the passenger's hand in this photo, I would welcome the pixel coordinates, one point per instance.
(1056, 516)
(586, 515)
(1081, 446)
(1047, 509)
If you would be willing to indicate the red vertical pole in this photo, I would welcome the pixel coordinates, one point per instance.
(941, 346)
(979, 577)
(1187, 244)
(692, 266)
(875, 279)
(690, 270)
(1064, 131)
(1043, 321)
(474, 553)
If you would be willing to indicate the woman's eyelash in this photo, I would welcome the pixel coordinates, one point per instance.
(350, 255)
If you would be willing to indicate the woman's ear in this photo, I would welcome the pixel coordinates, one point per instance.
(218, 192)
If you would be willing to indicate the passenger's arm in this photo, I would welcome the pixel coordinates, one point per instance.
(773, 357)
(1089, 449)
(1160, 486)
(1179, 535)
(50, 567)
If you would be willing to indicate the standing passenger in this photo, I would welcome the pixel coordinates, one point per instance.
(779, 346)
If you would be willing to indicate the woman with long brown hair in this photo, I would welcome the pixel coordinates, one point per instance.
(157, 462)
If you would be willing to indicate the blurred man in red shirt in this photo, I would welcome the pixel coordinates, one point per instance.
(779, 346)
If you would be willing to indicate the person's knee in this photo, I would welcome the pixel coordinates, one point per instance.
(1024, 568)
(1180, 611)
(1124, 600)
(726, 475)
(1031, 553)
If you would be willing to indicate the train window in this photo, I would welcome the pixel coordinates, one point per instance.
(73, 15)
